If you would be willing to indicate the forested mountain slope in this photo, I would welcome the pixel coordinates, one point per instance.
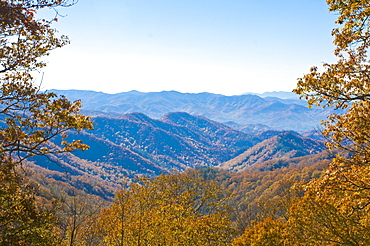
(135, 144)
(282, 146)
(174, 142)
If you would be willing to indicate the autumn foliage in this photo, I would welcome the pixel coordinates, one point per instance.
(30, 119)
(320, 203)
(174, 209)
(334, 209)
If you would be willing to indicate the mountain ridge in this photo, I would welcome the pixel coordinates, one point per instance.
(135, 144)
(285, 145)
(277, 113)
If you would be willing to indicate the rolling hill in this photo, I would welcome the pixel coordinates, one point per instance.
(172, 132)
(135, 144)
(174, 142)
(285, 145)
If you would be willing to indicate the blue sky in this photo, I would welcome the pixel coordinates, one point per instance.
(222, 46)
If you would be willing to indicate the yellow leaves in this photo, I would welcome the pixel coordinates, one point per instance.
(345, 84)
(25, 40)
(32, 119)
(22, 221)
(267, 232)
(35, 118)
(173, 209)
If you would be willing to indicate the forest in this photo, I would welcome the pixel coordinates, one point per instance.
(320, 199)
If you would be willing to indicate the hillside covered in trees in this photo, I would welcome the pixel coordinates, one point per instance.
(180, 179)
(136, 144)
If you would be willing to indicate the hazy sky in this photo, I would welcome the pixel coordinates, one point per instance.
(221, 46)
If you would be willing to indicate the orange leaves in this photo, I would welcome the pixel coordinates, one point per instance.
(25, 39)
(21, 221)
(30, 120)
(267, 232)
(345, 85)
(347, 80)
(36, 117)
(46, 117)
(335, 208)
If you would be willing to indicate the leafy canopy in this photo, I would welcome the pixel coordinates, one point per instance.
(30, 120)
(172, 209)
(335, 208)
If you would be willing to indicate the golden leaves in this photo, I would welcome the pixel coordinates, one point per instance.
(173, 209)
(335, 209)
(32, 119)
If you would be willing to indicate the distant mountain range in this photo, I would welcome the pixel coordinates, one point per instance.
(152, 133)
(250, 112)
(278, 94)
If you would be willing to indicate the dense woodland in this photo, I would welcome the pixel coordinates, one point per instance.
(317, 199)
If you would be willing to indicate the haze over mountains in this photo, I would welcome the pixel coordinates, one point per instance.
(268, 112)
(152, 133)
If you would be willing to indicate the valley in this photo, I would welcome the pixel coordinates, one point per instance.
(143, 158)
(88, 168)
(123, 146)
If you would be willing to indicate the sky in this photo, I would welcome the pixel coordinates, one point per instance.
(227, 47)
